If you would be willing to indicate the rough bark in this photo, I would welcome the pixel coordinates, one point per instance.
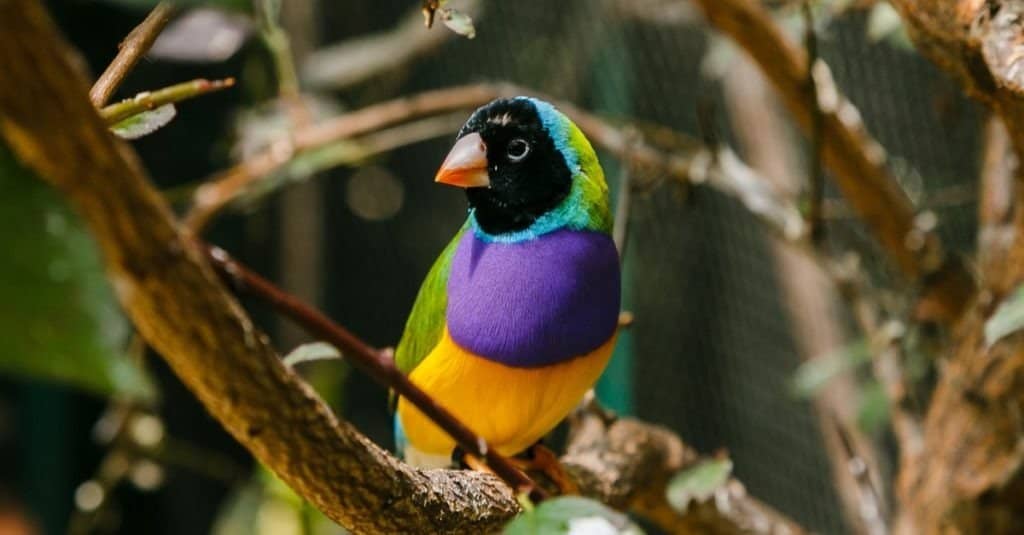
(628, 463)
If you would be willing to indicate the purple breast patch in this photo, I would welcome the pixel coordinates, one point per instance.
(537, 302)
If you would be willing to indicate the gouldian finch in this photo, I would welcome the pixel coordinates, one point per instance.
(517, 318)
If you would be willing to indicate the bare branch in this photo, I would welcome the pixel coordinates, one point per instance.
(131, 51)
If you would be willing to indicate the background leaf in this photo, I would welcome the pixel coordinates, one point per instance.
(145, 123)
(698, 482)
(58, 317)
(310, 352)
(571, 515)
(815, 373)
(1007, 319)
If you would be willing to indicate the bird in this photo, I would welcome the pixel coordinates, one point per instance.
(518, 316)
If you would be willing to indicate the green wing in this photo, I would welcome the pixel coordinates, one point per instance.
(426, 321)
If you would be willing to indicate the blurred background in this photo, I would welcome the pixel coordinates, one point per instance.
(97, 436)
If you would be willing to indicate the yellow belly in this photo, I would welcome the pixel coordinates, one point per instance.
(511, 408)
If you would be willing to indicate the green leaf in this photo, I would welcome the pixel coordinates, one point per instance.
(698, 482)
(571, 515)
(58, 318)
(885, 24)
(1007, 319)
(145, 123)
(873, 409)
(310, 352)
(457, 22)
(815, 373)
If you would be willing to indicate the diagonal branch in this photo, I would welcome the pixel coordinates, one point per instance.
(131, 51)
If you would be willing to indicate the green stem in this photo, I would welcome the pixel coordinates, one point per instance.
(149, 100)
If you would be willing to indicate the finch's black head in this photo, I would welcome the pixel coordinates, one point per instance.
(509, 163)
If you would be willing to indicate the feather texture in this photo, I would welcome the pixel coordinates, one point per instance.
(512, 408)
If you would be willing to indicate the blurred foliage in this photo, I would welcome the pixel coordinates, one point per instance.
(698, 482)
(814, 374)
(571, 515)
(1007, 319)
(266, 506)
(58, 317)
(872, 408)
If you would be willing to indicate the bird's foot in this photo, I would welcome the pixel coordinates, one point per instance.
(541, 459)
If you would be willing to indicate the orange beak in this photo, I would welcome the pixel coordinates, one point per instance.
(466, 164)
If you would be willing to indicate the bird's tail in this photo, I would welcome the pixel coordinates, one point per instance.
(413, 456)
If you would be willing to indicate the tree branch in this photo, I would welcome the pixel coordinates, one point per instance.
(627, 464)
(131, 51)
(856, 160)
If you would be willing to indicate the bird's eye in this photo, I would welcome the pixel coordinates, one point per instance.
(517, 149)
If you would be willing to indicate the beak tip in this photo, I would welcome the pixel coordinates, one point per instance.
(466, 164)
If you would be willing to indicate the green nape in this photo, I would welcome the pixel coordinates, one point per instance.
(592, 186)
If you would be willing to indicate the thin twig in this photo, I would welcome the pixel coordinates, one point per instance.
(374, 362)
(154, 99)
(872, 510)
(225, 186)
(815, 173)
(132, 49)
(279, 46)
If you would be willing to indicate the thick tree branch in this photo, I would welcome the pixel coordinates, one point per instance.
(131, 51)
(627, 463)
(978, 42)
(856, 160)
